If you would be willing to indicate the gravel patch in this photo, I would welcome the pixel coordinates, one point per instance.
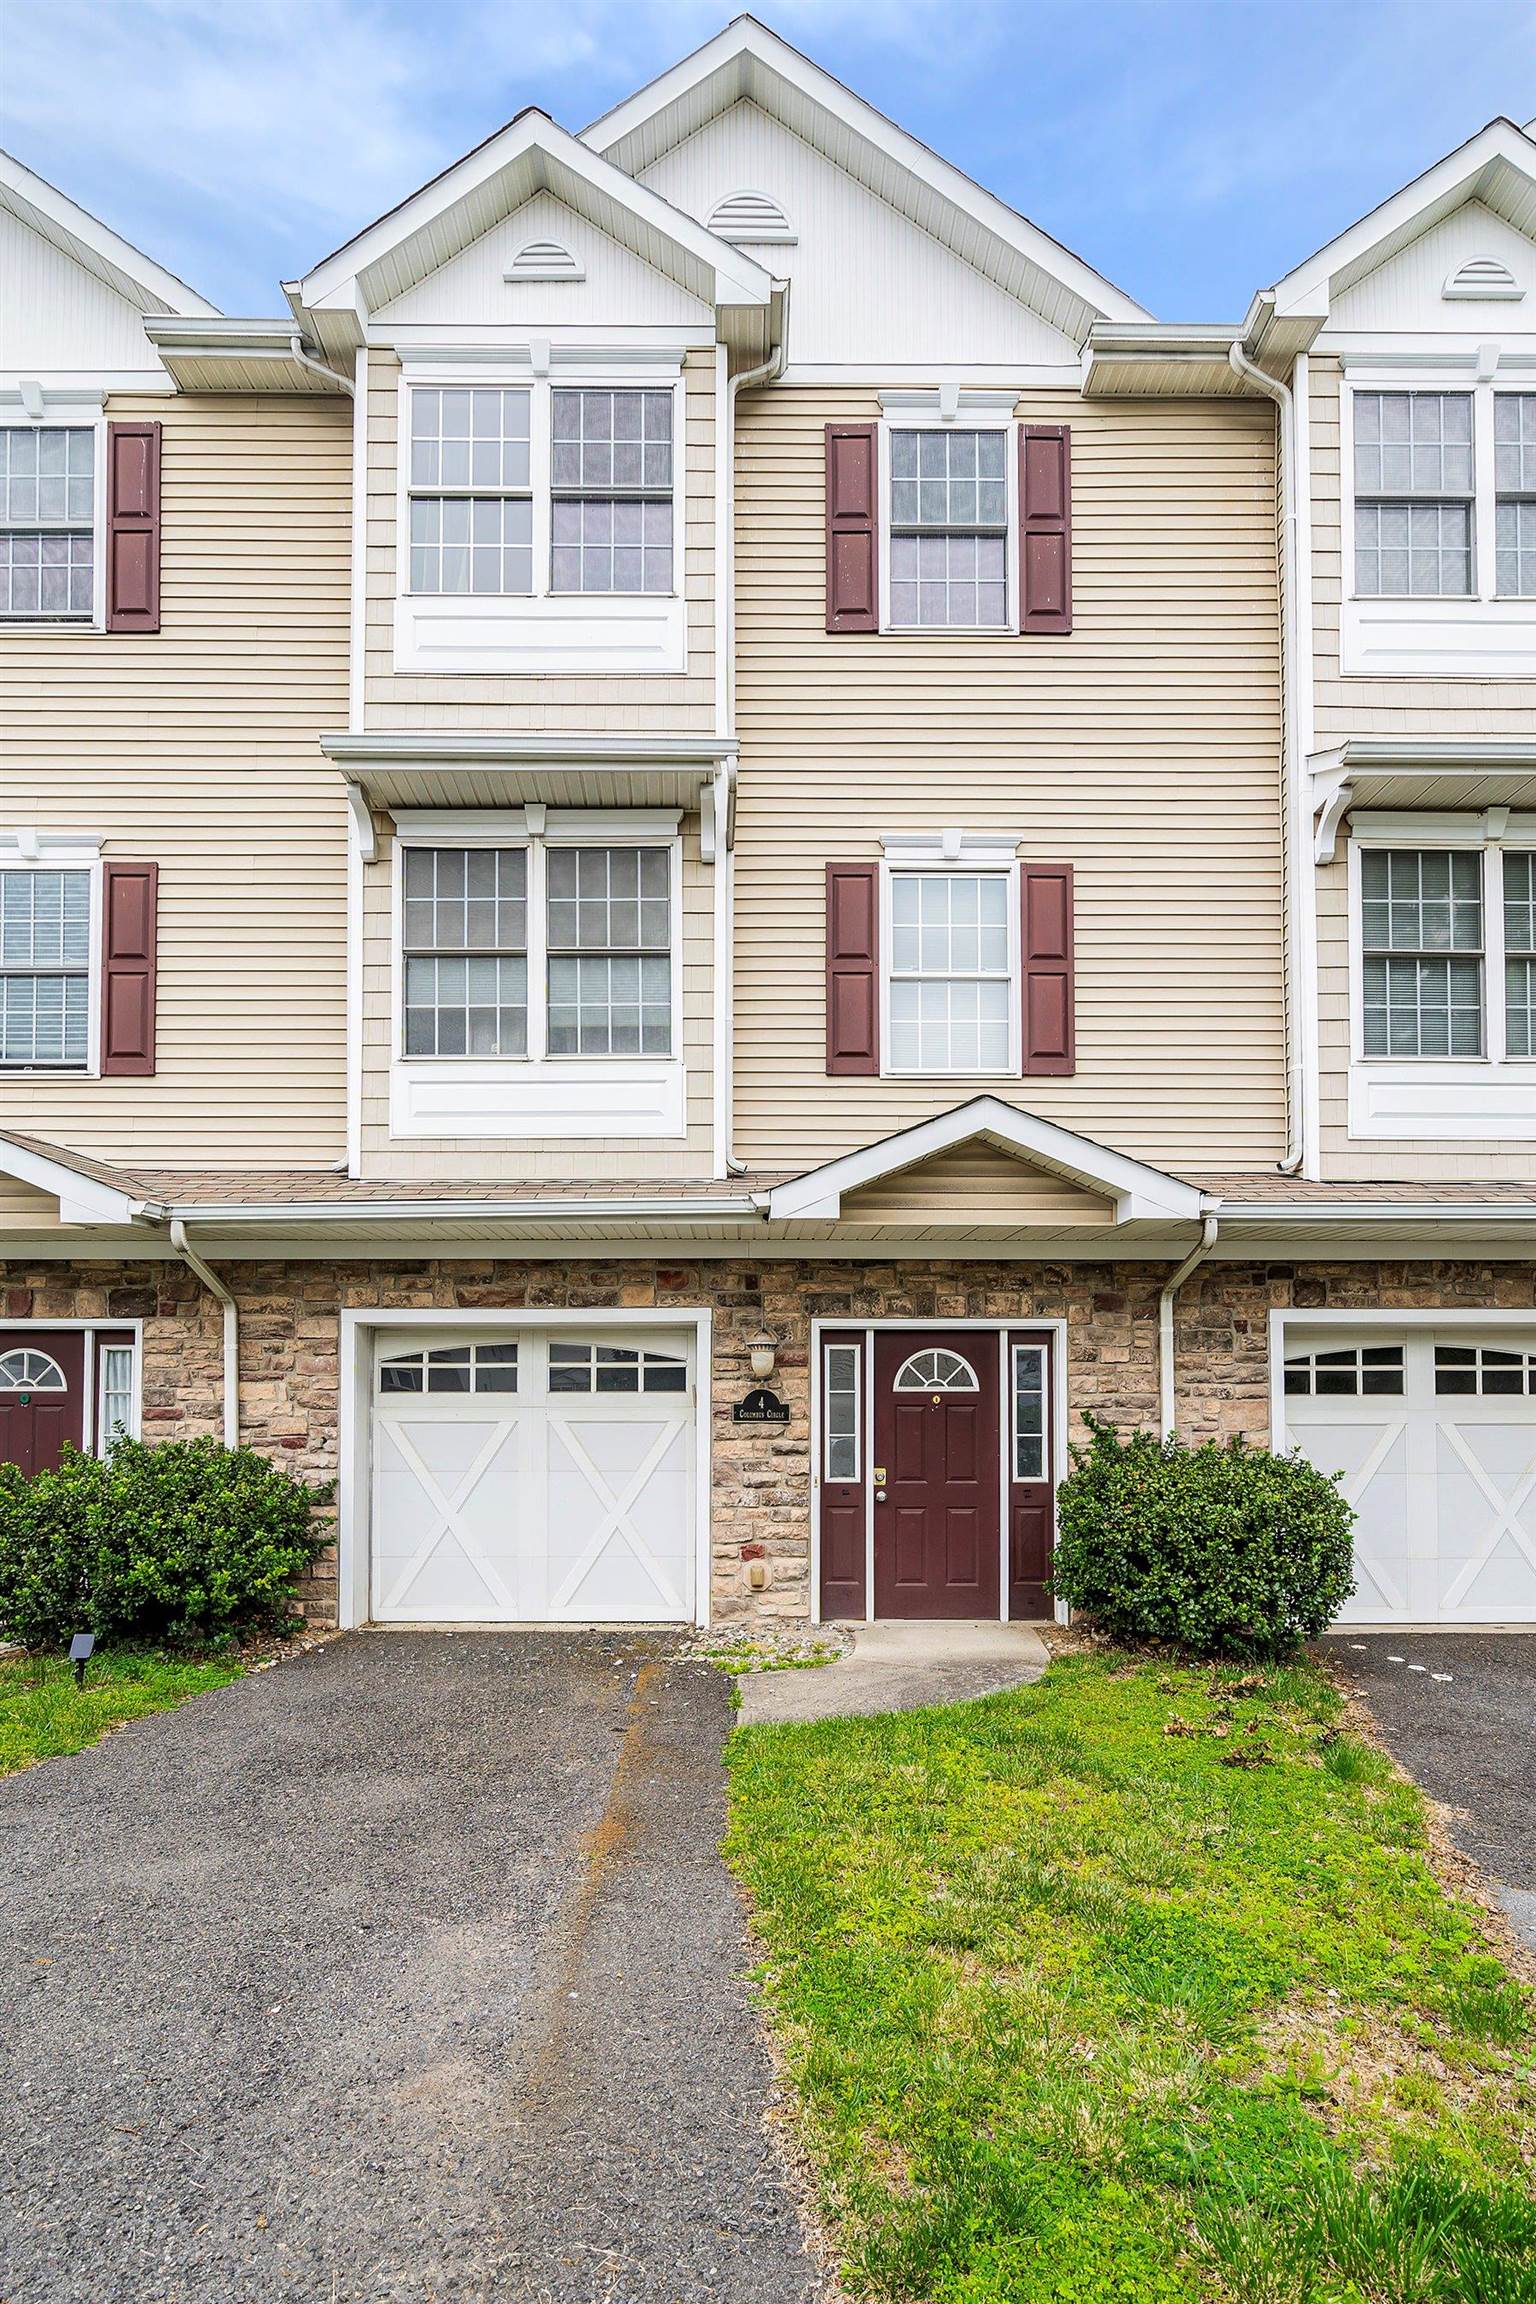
(406, 1973)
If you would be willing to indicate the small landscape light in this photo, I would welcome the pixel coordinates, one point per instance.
(80, 1650)
(762, 1350)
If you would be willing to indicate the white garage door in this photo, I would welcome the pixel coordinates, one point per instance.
(1434, 1431)
(526, 1476)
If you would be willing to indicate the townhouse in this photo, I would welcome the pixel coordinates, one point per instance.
(714, 843)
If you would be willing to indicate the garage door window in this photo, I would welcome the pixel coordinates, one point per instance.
(1354, 1370)
(1483, 1370)
(452, 1368)
(579, 1367)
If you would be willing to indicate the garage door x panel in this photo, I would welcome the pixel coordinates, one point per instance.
(445, 1506)
(619, 1520)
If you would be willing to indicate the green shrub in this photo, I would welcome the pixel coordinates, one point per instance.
(1222, 1550)
(185, 1545)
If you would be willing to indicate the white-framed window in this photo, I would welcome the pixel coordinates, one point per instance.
(541, 946)
(949, 489)
(114, 1410)
(49, 962)
(842, 1403)
(1029, 1412)
(1415, 492)
(51, 568)
(1421, 943)
(950, 940)
(1349, 1371)
(452, 1368)
(1442, 960)
(537, 489)
(1443, 497)
(578, 1366)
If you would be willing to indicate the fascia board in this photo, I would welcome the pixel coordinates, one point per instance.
(1441, 188)
(738, 279)
(215, 1213)
(1140, 1193)
(55, 213)
(82, 1200)
(752, 42)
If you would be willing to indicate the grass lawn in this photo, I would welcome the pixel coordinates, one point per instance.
(1136, 1985)
(43, 1714)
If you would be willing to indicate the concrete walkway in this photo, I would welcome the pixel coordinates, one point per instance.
(408, 1973)
(897, 1668)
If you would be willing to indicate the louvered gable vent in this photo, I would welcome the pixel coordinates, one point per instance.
(545, 260)
(1483, 279)
(750, 216)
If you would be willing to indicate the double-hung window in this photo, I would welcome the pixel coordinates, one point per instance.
(537, 949)
(471, 490)
(1414, 493)
(950, 991)
(523, 491)
(48, 522)
(1444, 494)
(1447, 942)
(1421, 942)
(45, 969)
(948, 519)
(610, 490)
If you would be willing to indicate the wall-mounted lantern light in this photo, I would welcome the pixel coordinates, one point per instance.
(763, 1351)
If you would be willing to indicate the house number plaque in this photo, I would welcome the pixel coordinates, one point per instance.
(761, 1407)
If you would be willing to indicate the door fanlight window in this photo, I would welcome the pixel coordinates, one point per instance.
(451, 1368)
(935, 1372)
(27, 1371)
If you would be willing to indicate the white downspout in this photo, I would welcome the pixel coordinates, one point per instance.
(1197, 1255)
(216, 1287)
(1298, 846)
(725, 857)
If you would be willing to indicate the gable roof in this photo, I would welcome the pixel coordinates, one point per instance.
(531, 154)
(88, 1191)
(94, 245)
(746, 60)
(1140, 1193)
(1497, 167)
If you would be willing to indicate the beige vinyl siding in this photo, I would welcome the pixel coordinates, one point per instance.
(197, 747)
(975, 1185)
(563, 1158)
(23, 1208)
(1354, 706)
(683, 703)
(1145, 748)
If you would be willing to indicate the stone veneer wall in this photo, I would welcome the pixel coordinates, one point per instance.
(289, 1359)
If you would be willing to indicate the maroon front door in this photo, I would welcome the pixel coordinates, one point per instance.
(937, 1527)
(42, 1395)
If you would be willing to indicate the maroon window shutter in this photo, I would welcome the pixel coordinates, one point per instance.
(1045, 527)
(1048, 998)
(133, 527)
(853, 587)
(128, 969)
(853, 968)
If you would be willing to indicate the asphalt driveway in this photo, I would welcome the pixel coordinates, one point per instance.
(405, 1972)
(1459, 1711)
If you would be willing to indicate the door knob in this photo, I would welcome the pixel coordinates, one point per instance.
(879, 1495)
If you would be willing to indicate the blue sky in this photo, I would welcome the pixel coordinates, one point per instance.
(1192, 150)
